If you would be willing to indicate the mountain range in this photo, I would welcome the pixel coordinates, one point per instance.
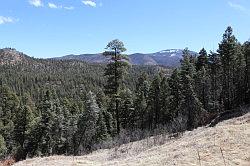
(169, 57)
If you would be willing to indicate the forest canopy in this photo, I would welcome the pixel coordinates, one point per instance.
(55, 107)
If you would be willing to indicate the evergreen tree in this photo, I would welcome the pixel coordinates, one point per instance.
(240, 78)
(23, 126)
(110, 122)
(247, 70)
(115, 72)
(59, 129)
(202, 87)
(202, 59)
(153, 111)
(26, 100)
(87, 124)
(8, 108)
(101, 129)
(215, 72)
(166, 114)
(127, 109)
(70, 119)
(175, 92)
(187, 64)
(227, 52)
(190, 106)
(45, 126)
(140, 101)
(101, 99)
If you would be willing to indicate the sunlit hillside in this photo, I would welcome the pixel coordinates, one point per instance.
(225, 144)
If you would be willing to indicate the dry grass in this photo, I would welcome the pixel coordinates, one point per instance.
(228, 143)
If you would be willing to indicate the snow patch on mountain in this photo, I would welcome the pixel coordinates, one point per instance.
(169, 51)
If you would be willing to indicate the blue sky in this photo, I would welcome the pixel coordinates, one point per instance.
(50, 28)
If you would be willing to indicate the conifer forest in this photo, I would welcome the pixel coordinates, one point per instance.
(70, 107)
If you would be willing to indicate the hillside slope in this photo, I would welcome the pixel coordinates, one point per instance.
(11, 56)
(229, 140)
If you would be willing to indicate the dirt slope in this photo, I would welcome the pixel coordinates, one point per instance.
(228, 143)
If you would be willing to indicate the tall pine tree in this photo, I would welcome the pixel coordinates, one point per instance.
(227, 52)
(215, 72)
(140, 101)
(153, 110)
(114, 72)
(246, 47)
(190, 106)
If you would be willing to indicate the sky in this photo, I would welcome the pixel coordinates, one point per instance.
(52, 28)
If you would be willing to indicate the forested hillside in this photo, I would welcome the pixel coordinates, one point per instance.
(51, 107)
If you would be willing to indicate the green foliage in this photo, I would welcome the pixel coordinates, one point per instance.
(228, 55)
(175, 92)
(215, 72)
(101, 129)
(202, 59)
(8, 107)
(190, 106)
(114, 72)
(203, 85)
(50, 107)
(86, 124)
(246, 48)
(3, 148)
(153, 111)
(24, 119)
(140, 101)
(166, 114)
(127, 110)
(46, 124)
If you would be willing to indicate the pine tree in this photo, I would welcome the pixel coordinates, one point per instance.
(70, 119)
(166, 115)
(239, 81)
(115, 72)
(187, 64)
(45, 126)
(202, 59)
(110, 122)
(227, 52)
(140, 101)
(214, 70)
(190, 106)
(202, 87)
(8, 108)
(87, 124)
(23, 126)
(59, 128)
(153, 111)
(175, 92)
(101, 129)
(127, 109)
(101, 99)
(247, 70)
